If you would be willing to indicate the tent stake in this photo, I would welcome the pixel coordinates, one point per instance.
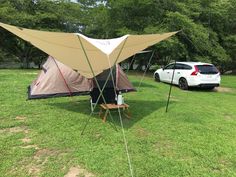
(171, 84)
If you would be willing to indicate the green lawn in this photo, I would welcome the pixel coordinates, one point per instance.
(197, 137)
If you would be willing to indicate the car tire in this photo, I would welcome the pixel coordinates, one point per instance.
(183, 84)
(210, 88)
(157, 77)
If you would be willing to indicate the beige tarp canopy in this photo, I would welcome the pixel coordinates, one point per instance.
(82, 53)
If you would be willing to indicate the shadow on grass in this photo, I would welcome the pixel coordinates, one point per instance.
(139, 109)
(136, 85)
(194, 89)
(82, 106)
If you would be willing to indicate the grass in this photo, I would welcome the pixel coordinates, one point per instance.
(197, 137)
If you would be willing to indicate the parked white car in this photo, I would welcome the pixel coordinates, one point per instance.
(189, 74)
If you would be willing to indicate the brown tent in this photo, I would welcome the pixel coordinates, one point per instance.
(57, 80)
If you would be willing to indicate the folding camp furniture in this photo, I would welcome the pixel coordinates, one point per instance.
(106, 107)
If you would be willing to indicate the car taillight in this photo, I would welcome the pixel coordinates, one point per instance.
(195, 72)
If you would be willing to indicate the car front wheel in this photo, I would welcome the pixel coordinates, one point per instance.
(183, 84)
(157, 77)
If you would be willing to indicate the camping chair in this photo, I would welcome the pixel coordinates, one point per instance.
(108, 93)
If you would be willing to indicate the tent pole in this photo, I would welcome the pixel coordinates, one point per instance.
(171, 84)
(122, 126)
(146, 68)
(62, 77)
(100, 90)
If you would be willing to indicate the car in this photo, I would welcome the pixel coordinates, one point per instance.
(189, 74)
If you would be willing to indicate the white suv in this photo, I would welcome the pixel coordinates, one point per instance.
(190, 74)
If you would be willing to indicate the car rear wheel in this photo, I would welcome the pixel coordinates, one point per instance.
(183, 84)
(157, 77)
(210, 88)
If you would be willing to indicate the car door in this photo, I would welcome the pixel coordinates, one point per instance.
(178, 73)
(167, 73)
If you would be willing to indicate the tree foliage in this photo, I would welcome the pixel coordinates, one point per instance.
(207, 26)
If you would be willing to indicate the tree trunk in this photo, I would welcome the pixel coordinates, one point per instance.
(27, 55)
(131, 64)
(24, 64)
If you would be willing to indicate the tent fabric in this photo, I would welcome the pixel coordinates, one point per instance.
(122, 82)
(81, 53)
(57, 80)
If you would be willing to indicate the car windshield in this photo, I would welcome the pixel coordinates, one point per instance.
(207, 69)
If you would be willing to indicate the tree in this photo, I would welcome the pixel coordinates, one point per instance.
(208, 26)
(43, 15)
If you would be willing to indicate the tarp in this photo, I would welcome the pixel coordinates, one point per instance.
(83, 53)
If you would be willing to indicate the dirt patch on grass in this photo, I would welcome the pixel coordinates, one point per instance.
(21, 118)
(173, 98)
(164, 147)
(45, 152)
(26, 140)
(224, 162)
(141, 132)
(228, 117)
(30, 146)
(34, 171)
(16, 129)
(13, 130)
(78, 171)
(26, 131)
(40, 158)
(224, 89)
(222, 166)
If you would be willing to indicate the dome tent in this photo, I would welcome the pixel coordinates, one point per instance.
(58, 80)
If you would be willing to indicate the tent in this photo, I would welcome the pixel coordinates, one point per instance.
(57, 80)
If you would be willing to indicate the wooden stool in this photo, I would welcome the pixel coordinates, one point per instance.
(107, 107)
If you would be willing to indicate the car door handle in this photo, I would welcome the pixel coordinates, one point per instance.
(168, 72)
(178, 72)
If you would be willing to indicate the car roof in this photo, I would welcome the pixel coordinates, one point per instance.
(192, 63)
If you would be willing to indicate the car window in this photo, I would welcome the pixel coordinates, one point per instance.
(207, 69)
(178, 66)
(170, 66)
(187, 67)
